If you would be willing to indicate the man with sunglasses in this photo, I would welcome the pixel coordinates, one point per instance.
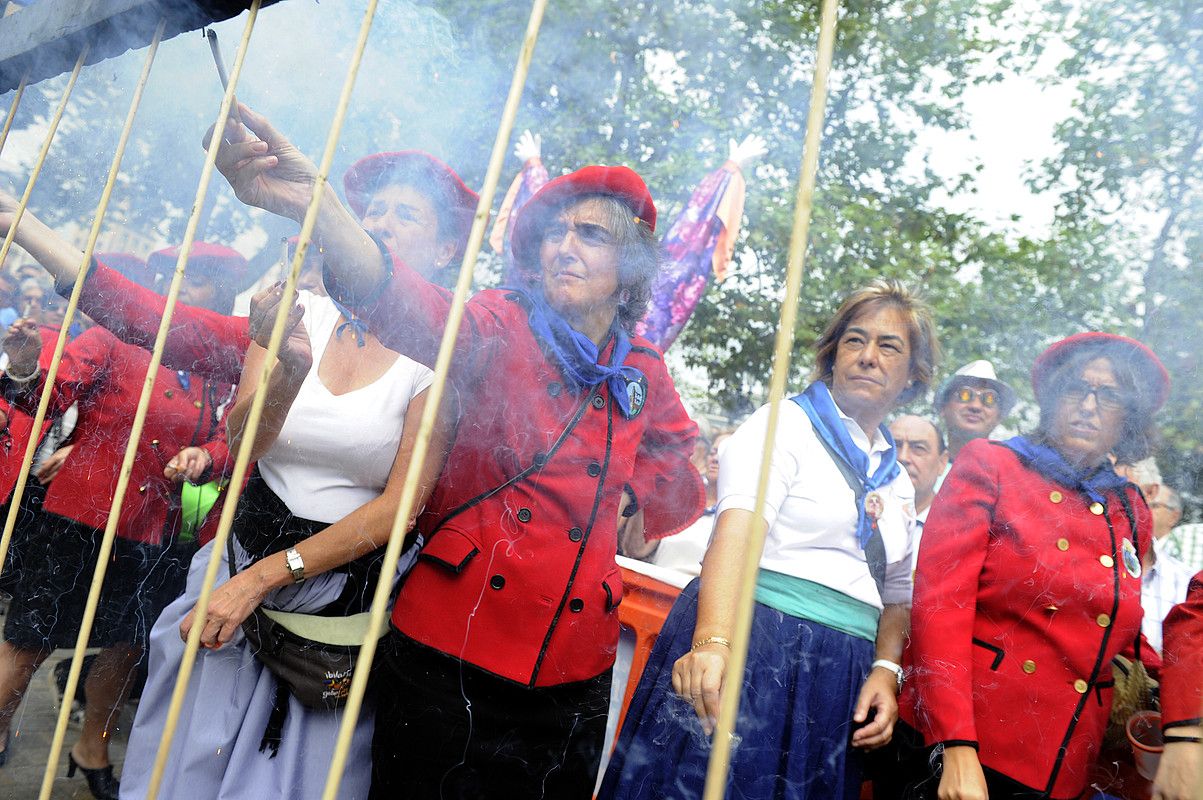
(972, 403)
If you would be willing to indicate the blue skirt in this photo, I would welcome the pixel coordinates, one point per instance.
(794, 724)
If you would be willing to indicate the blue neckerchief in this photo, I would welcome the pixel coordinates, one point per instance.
(825, 417)
(576, 354)
(1052, 465)
(359, 326)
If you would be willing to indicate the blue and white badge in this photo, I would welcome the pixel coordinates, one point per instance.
(636, 395)
(1131, 559)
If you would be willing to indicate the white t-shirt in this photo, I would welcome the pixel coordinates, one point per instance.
(810, 507)
(334, 452)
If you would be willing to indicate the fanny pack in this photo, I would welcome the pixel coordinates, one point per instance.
(311, 656)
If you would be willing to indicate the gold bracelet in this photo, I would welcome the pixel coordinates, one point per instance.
(711, 640)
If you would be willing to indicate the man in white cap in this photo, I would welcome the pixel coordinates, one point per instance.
(972, 403)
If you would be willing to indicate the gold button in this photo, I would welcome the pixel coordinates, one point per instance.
(1029, 666)
(1056, 496)
(1096, 509)
(141, 489)
(154, 442)
(1103, 620)
(1107, 561)
(1051, 608)
(1080, 686)
(198, 403)
(169, 394)
(1063, 544)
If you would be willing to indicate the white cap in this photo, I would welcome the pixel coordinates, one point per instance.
(975, 371)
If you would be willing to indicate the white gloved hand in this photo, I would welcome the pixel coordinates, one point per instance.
(530, 145)
(751, 148)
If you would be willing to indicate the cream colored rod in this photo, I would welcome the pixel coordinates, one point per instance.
(251, 426)
(12, 111)
(409, 491)
(720, 754)
(52, 374)
(41, 160)
(10, 520)
(110, 531)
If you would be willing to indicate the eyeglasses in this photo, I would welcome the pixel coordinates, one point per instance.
(988, 397)
(1109, 397)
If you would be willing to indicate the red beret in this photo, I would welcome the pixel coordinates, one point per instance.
(621, 183)
(1146, 362)
(361, 180)
(130, 266)
(217, 260)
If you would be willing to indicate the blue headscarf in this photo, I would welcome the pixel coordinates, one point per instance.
(576, 354)
(825, 417)
(1052, 465)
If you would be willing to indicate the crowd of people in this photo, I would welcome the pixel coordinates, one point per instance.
(936, 610)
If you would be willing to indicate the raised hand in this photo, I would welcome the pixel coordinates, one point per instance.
(295, 351)
(23, 343)
(744, 153)
(188, 465)
(264, 168)
(530, 145)
(46, 471)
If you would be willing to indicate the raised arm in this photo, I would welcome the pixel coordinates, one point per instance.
(199, 340)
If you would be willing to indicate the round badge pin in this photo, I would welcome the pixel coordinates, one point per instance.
(1131, 560)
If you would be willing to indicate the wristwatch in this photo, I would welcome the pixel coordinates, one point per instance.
(296, 564)
(885, 663)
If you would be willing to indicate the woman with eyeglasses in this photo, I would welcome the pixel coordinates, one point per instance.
(1028, 583)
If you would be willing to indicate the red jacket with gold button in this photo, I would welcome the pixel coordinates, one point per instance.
(1025, 590)
(518, 574)
(1182, 671)
(15, 436)
(106, 377)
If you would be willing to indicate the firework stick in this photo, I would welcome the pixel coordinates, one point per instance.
(12, 111)
(720, 755)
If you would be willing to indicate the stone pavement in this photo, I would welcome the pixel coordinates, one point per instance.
(33, 726)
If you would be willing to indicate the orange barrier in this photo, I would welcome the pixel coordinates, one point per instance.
(645, 605)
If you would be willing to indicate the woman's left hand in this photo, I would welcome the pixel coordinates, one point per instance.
(229, 605)
(879, 694)
(1179, 771)
(188, 465)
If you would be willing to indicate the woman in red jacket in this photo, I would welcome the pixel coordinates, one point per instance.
(1180, 773)
(495, 678)
(183, 438)
(1028, 581)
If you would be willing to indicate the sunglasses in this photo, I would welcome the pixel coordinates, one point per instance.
(988, 397)
(1109, 397)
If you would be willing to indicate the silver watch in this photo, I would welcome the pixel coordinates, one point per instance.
(296, 564)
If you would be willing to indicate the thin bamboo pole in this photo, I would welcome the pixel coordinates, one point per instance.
(251, 426)
(12, 111)
(123, 477)
(434, 397)
(52, 374)
(41, 160)
(720, 756)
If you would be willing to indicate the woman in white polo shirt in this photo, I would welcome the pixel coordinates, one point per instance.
(833, 590)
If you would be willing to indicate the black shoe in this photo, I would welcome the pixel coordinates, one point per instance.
(101, 782)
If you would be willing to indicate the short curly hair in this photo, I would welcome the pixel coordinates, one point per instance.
(1138, 435)
(638, 256)
(921, 327)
